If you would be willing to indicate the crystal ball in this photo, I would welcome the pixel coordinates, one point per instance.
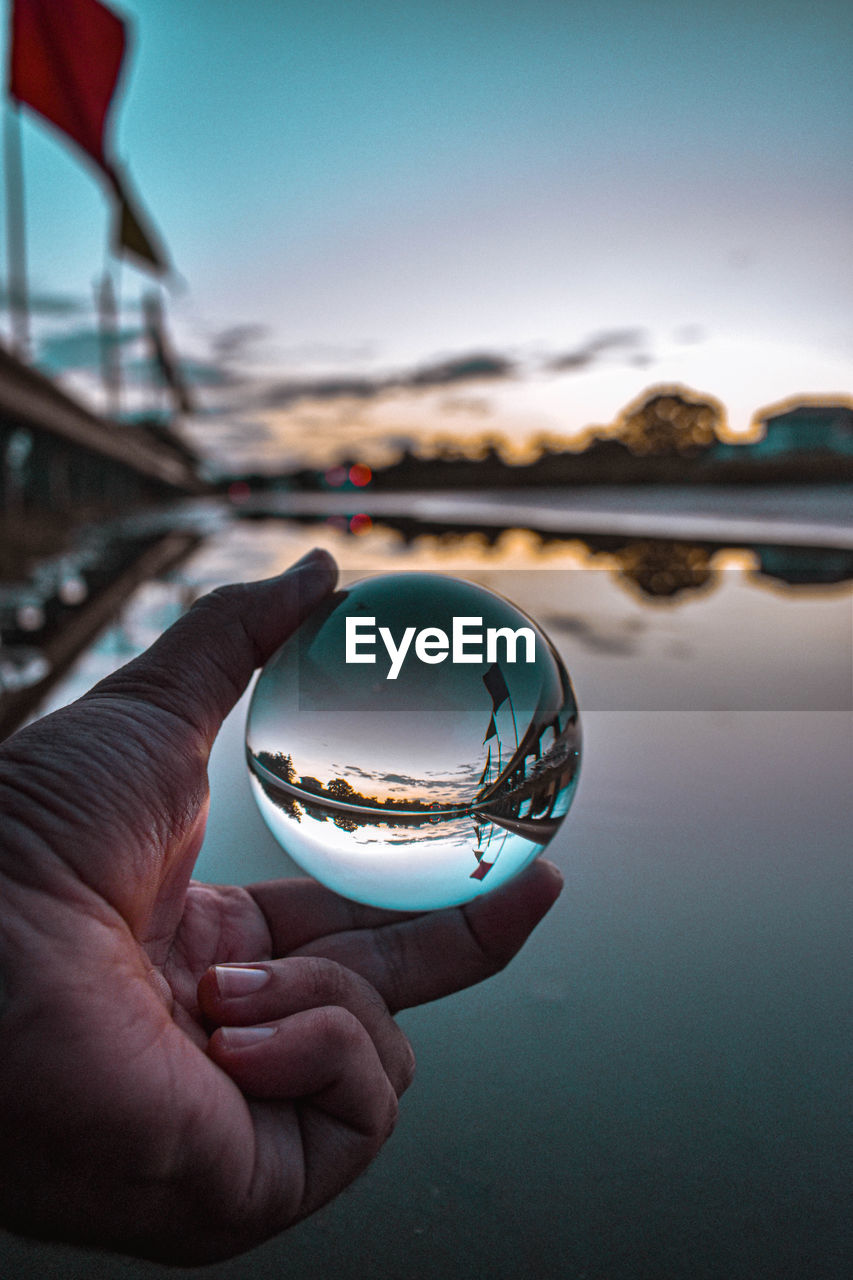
(415, 742)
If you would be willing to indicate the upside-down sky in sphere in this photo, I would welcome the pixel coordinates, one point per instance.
(595, 198)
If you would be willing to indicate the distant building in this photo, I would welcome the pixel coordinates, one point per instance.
(808, 428)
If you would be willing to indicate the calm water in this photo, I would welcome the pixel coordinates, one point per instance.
(658, 1087)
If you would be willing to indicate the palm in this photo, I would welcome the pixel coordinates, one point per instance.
(141, 1123)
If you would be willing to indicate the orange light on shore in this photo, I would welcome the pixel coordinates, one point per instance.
(360, 523)
(360, 474)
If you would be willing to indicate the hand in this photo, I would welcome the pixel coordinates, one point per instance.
(126, 1124)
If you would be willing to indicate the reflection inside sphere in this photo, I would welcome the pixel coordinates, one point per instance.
(428, 788)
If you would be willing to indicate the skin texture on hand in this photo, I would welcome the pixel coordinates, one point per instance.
(188, 1069)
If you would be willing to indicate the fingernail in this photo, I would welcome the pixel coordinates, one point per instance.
(245, 1037)
(237, 980)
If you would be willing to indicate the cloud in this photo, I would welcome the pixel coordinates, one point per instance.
(466, 368)
(470, 368)
(377, 776)
(281, 395)
(236, 342)
(473, 367)
(628, 341)
(359, 773)
(433, 784)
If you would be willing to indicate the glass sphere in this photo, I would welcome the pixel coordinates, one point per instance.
(415, 743)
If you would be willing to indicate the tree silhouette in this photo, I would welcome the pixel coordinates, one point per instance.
(340, 789)
(670, 424)
(278, 763)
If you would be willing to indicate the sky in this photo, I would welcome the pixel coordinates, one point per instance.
(595, 198)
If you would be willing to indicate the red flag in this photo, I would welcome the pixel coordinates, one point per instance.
(65, 63)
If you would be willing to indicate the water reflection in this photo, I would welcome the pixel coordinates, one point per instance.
(55, 598)
(654, 568)
(52, 608)
(665, 569)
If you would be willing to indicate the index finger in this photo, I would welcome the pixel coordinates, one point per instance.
(298, 910)
(416, 958)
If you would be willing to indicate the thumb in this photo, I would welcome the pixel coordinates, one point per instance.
(199, 667)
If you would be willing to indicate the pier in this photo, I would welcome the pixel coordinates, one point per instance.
(61, 461)
(67, 475)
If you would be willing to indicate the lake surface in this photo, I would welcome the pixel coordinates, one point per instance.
(658, 1087)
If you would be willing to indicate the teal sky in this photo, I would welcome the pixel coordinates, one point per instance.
(380, 184)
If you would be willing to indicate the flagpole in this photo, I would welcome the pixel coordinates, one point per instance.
(16, 242)
(107, 304)
(512, 713)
